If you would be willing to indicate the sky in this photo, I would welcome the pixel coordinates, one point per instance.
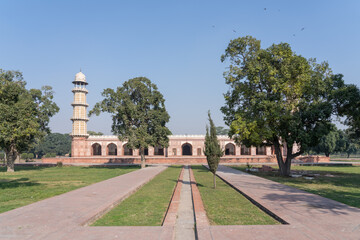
(176, 44)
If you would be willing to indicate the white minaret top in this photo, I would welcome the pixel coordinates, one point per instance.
(79, 118)
(80, 78)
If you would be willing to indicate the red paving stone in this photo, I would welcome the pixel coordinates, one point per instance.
(309, 216)
(65, 216)
(170, 218)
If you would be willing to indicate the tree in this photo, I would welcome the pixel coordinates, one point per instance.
(93, 133)
(277, 98)
(221, 131)
(24, 115)
(139, 114)
(347, 143)
(347, 103)
(212, 151)
(328, 143)
(352, 149)
(57, 143)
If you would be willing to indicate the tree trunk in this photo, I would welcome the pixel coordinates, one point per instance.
(284, 166)
(327, 154)
(142, 158)
(11, 156)
(214, 180)
(348, 155)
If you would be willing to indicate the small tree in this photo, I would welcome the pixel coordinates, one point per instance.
(212, 150)
(328, 143)
(139, 114)
(24, 115)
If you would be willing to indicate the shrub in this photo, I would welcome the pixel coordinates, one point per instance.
(59, 164)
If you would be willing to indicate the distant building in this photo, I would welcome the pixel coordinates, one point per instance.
(182, 149)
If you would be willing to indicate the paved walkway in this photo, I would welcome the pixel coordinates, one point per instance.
(66, 216)
(309, 216)
(185, 222)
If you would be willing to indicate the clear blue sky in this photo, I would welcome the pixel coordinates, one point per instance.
(176, 44)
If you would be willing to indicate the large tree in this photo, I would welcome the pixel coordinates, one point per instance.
(277, 98)
(212, 150)
(139, 114)
(24, 115)
(56, 143)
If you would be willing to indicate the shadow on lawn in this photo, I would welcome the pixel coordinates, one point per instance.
(20, 182)
(25, 168)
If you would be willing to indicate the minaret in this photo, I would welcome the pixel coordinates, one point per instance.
(79, 118)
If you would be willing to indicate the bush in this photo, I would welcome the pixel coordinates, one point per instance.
(59, 164)
(50, 155)
(24, 156)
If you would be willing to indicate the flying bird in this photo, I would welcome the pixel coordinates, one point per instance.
(213, 26)
(264, 9)
(303, 29)
(234, 31)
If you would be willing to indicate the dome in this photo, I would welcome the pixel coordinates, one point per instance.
(80, 77)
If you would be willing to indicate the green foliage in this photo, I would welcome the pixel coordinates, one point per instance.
(59, 164)
(24, 156)
(24, 114)
(222, 131)
(50, 155)
(329, 143)
(138, 112)
(347, 143)
(347, 102)
(212, 150)
(276, 97)
(92, 133)
(57, 143)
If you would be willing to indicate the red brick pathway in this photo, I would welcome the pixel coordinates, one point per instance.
(66, 216)
(309, 216)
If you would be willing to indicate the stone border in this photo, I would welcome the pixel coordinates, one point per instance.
(171, 212)
(202, 223)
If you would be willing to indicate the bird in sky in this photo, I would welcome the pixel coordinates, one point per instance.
(234, 31)
(264, 9)
(303, 29)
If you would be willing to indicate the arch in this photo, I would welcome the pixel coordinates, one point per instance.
(186, 149)
(96, 149)
(159, 151)
(229, 149)
(146, 151)
(245, 150)
(199, 151)
(112, 149)
(174, 151)
(261, 150)
(127, 151)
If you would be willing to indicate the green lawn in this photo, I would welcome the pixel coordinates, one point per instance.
(30, 184)
(146, 207)
(226, 206)
(343, 186)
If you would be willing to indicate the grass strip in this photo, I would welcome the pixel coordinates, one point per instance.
(146, 207)
(30, 184)
(340, 183)
(224, 205)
